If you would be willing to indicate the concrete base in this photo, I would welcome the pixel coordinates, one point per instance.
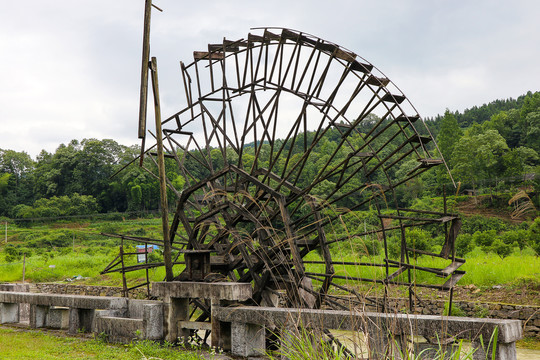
(9, 313)
(247, 339)
(120, 329)
(58, 318)
(177, 294)
(38, 316)
(387, 333)
(81, 320)
(502, 351)
(153, 321)
(178, 311)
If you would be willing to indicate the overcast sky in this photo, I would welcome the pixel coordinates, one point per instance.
(70, 69)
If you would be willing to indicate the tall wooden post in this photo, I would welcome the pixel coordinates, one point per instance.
(144, 69)
(162, 182)
(6, 232)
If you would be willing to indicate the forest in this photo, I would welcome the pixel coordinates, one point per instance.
(494, 147)
(57, 205)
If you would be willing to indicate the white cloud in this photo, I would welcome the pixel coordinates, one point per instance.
(70, 69)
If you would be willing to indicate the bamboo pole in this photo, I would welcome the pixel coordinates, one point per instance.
(162, 179)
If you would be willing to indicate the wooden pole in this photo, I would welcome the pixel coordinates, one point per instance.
(124, 280)
(162, 179)
(144, 69)
(143, 101)
(6, 232)
(24, 267)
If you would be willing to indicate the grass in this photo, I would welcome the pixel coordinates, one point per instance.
(87, 253)
(61, 266)
(483, 269)
(305, 344)
(28, 344)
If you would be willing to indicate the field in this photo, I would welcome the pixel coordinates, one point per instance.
(76, 252)
(17, 344)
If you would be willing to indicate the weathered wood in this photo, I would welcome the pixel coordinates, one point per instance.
(144, 69)
(162, 176)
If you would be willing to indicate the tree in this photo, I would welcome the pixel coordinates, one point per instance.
(16, 179)
(519, 161)
(478, 156)
(449, 134)
(506, 123)
(500, 248)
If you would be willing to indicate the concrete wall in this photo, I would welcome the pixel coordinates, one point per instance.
(529, 314)
(70, 289)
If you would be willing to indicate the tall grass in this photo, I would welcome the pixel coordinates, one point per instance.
(309, 344)
(44, 268)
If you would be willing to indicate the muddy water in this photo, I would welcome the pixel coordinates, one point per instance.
(350, 338)
(526, 354)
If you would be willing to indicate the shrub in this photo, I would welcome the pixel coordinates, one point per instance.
(500, 248)
(139, 232)
(368, 246)
(518, 237)
(481, 311)
(394, 247)
(418, 239)
(534, 235)
(484, 239)
(464, 244)
(456, 310)
(110, 227)
(12, 253)
(481, 223)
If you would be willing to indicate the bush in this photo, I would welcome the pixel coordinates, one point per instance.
(58, 206)
(26, 251)
(500, 248)
(484, 239)
(110, 228)
(464, 244)
(456, 310)
(516, 237)
(418, 239)
(12, 253)
(534, 235)
(393, 244)
(481, 311)
(368, 246)
(481, 223)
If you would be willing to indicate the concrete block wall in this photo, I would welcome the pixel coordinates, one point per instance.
(92, 290)
(528, 314)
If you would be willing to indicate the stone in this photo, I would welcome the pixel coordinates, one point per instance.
(81, 320)
(247, 339)
(38, 316)
(58, 318)
(201, 290)
(153, 321)
(9, 313)
(118, 329)
(502, 351)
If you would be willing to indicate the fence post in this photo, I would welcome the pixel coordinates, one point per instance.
(24, 267)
